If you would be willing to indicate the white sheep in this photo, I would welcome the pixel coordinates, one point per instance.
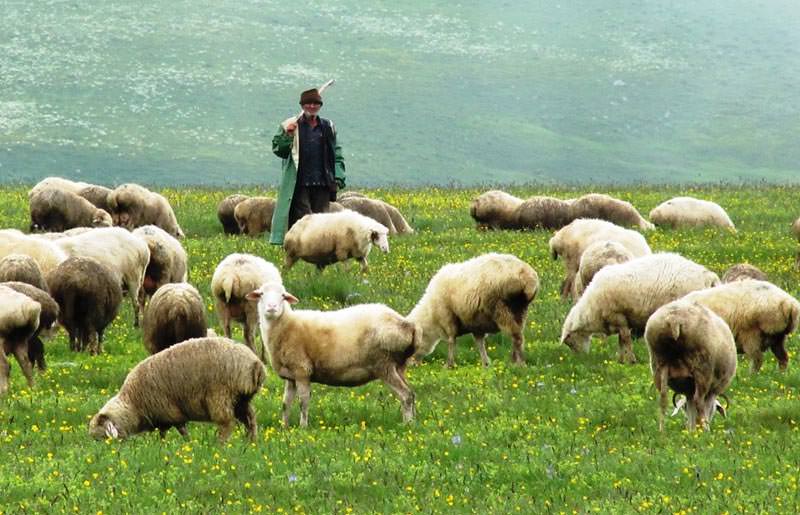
(595, 257)
(133, 206)
(483, 295)
(19, 320)
(58, 210)
(58, 183)
(22, 268)
(495, 209)
(168, 260)
(692, 352)
(760, 314)
(622, 297)
(46, 253)
(235, 277)
(326, 238)
(570, 242)
(348, 347)
(176, 313)
(690, 212)
(606, 207)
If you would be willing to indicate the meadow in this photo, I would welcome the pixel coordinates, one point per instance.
(563, 434)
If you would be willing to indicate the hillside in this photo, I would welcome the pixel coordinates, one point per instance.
(427, 92)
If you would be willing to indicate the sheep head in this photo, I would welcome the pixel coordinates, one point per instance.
(381, 239)
(114, 420)
(574, 334)
(102, 218)
(272, 298)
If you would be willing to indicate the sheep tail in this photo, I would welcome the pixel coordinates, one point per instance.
(228, 283)
(258, 375)
(791, 314)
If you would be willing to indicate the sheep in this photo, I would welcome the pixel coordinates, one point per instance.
(622, 297)
(348, 347)
(374, 209)
(97, 195)
(570, 242)
(58, 183)
(46, 253)
(596, 256)
(58, 210)
(51, 236)
(760, 315)
(176, 313)
(399, 222)
(325, 238)
(235, 277)
(348, 194)
(47, 319)
(225, 213)
(88, 294)
(495, 209)
(19, 319)
(133, 205)
(743, 271)
(334, 207)
(125, 254)
(254, 215)
(22, 268)
(202, 379)
(486, 294)
(690, 212)
(543, 213)
(692, 352)
(168, 260)
(605, 207)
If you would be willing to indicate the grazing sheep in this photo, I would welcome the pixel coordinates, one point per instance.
(483, 295)
(168, 260)
(760, 315)
(622, 297)
(399, 222)
(334, 207)
(348, 347)
(374, 209)
(690, 212)
(225, 213)
(22, 268)
(743, 271)
(254, 215)
(348, 194)
(58, 210)
(19, 319)
(202, 380)
(693, 353)
(543, 213)
(326, 238)
(176, 313)
(495, 209)
(605, 207)
(125, 254)
(58, 183)
(133, 206)
(88, 294)
(235, 277)
(573, 239)
(46, 253)
(47, 319)
(97, 195)
(596, 256)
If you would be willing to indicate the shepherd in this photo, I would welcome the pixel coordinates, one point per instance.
(313, 165)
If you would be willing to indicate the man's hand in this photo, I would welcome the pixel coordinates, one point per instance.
(339, 183)
(290, 128)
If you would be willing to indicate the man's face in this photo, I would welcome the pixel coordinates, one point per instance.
(311, 109)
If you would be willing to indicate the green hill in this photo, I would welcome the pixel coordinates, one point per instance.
(494, 91)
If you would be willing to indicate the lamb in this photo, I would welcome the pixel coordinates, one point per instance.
(325, 238)
(605, 207)
(254, 215)
(495, 209)
(88, 295)
(760, 315)
(235, 277)
(97, 195)
(573, 239)
(58, 210)
(22, 268)
(58, 183)
(485, 294)
(595, 257)
(622, 297)
(348, 347)
(47, 319)
(125, 254)
(176, 313)
(743, 271)
(374, 209)
(168, 260)
(133, 206)
(543, 213)
(46, 253)
(202, 379)
(225, 213)
(19, 319)
(692, 352)
(690, 212)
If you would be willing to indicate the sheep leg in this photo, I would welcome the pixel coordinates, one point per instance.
(5, 369)
(480, 344)
(225, 430)
(364, 266)
(779, 350)
(400, 388)
(21, 353)
(182, 430)
(245, 414)
(451, 351)
(288, 261)
(247, 329)
(226, 321)
(626, 354)
(36, 352)
(304, 392)
(660, 379)
(289, 391)
(752, 348)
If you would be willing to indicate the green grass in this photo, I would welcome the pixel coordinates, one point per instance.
(565, 433)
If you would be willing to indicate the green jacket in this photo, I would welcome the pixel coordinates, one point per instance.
(288, 149)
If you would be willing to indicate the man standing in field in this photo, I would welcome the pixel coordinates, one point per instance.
(313, 166)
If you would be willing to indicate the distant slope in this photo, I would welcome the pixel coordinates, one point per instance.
(485, 92)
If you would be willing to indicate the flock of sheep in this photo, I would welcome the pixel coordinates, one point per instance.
(91, 245)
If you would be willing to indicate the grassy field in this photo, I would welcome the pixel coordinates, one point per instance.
(565, 433)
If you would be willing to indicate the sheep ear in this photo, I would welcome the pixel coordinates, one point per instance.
(676, 329)
(720, 409)
(254, 295)
(678, 405)
(291, 299)
(374, 236)
(111, 430)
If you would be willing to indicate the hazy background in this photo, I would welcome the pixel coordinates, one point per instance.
(480, 91)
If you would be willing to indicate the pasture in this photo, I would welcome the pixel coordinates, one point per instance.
(564, 434)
